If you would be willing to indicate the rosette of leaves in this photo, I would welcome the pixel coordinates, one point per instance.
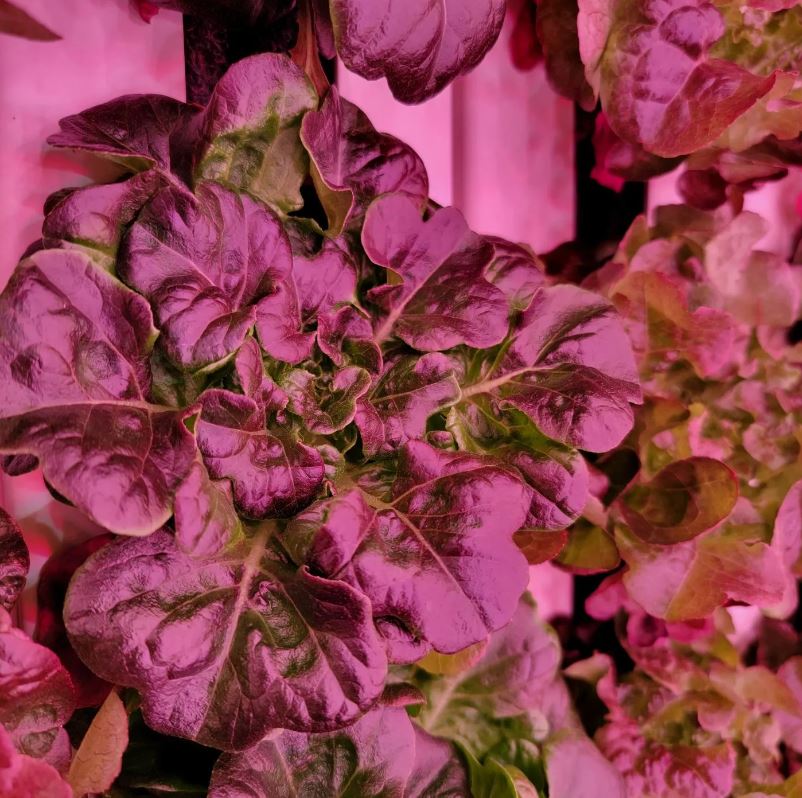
(699, 502)
(321, 416)
(716, 83)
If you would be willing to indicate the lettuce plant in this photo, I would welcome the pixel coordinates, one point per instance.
(325, 422)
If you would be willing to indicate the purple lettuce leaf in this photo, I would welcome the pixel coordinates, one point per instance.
(575, 768)
(557, 475)
(271, 474)
(568, 365)
(74, 384)
(137, 131)
(371, 758)
(442, 298)
(14, 561)
(324, 279)
(22, 776)
(382, 755)
(36, 696)
(419, 46)
(225, 649)
(440, 541)
(205, 263)
(97, 216)
(345, 335)
(410, 390)
(205, 519)
(661, 87)
(255, 383)
(516, 271)
(250, 130)
(353, 163)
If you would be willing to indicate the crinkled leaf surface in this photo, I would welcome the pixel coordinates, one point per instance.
(660, 86)
(225, 649)
(270, 474)
(569, 367)
(136, 130)
(516, 271)
(250, 135)
(36, 696)
(683, 500)
(397, 407)
(354, 164)
(205, 262)
(74, 383)
(419, 47)
(14, 561)
(97, 216)
(439, 541)
(442, 298)
(23, 776)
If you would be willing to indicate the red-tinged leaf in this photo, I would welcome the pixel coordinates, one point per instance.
(690, 580)
(36, 696)
(98, 760)
(539, 546)
(659, 86)
(270, 474)
(570, 368)
(419, 47)
(205, 262)
(354, 164)
(398, 406)
(51, 590)
(14, 561)
(137, 131)
(227, 648)
(439, 542)
(516, 271)
(250, 131)
(17, 22)
(86, 415)
(683, 500)
(23, 776)
(441, 298)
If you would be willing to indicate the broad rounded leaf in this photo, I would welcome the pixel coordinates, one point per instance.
(270, 474)
(370, 759)
(98, 760)
(442, 299)
(575, 768)
(354, 164)
(516, 271)
(250, 130)
(36, 696)
(570, 368)
(588, 549)
(97, 216)
(204, 262)
(225, 649)
(136, 130)
(23, 776)
(419, 46)
(74, 384)
(690, 580)
(14, 561)
(324, 279)
(659, 85)
(683, 500)
(439, 542)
